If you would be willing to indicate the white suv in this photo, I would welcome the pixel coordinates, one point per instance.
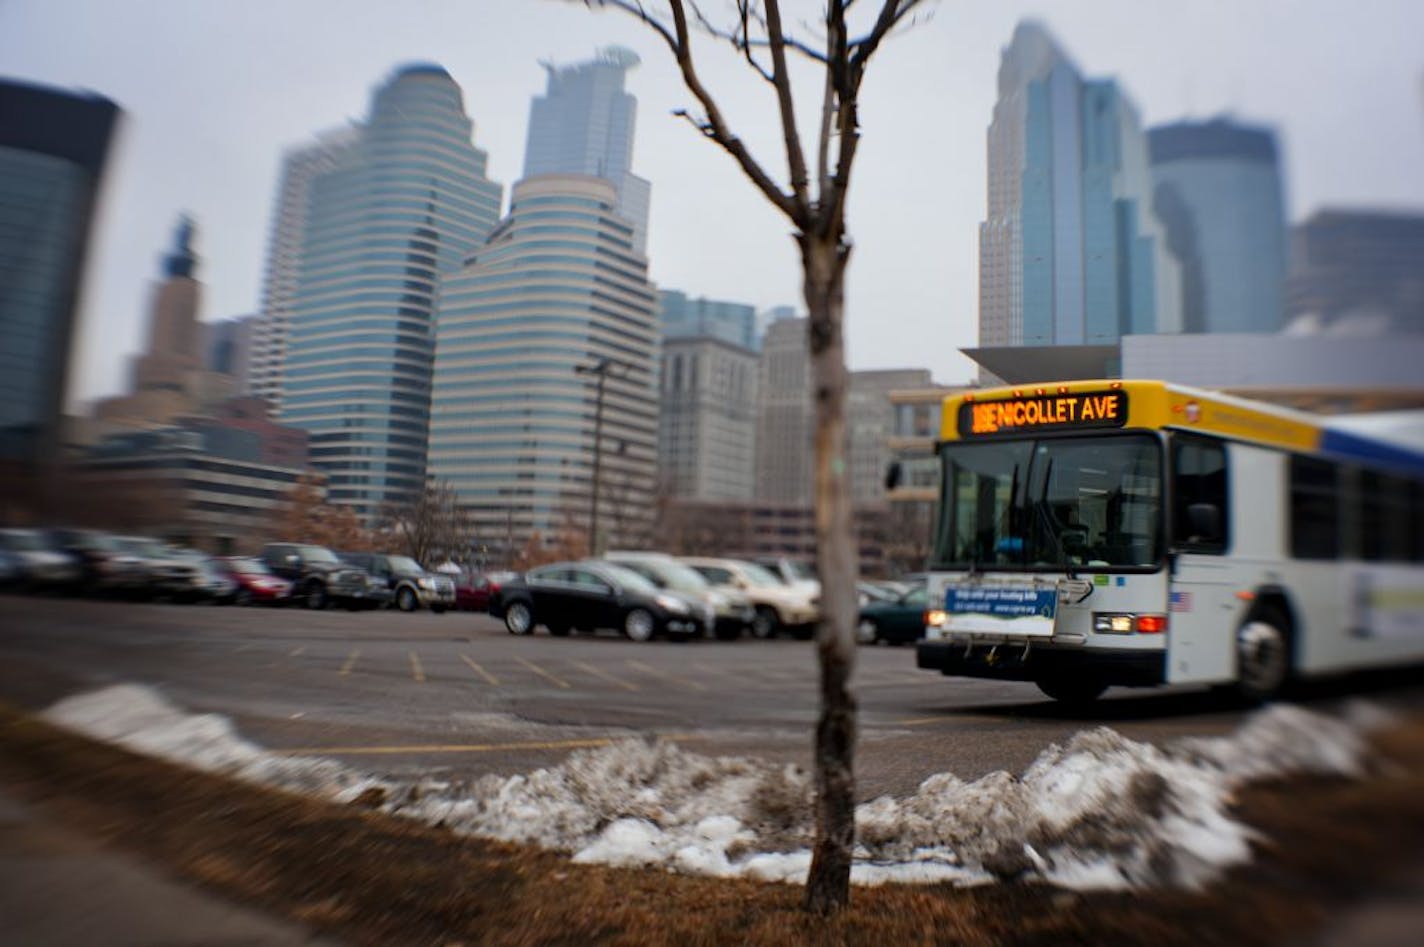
(779, 606)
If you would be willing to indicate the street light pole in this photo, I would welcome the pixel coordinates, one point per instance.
(600, 371)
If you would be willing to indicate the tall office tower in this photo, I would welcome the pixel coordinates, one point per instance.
(1357, 272)
(583, 124)
(685, 318)
(53, 146)
(1070, 252)
(300, 166)
(870, 421)
(227, 349)
(545, 401)
(406, 203)
(707, 427)
(1217, 192)
(785, 420)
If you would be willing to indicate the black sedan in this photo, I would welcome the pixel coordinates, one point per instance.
(590, 595)
(898, 621)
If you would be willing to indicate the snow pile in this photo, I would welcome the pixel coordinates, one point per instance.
(1101, 811)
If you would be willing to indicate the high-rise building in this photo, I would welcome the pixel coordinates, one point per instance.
(1070, 251)
(53, 147)
(786, 426)
(870, 418)
(405, 203)
(1218, 195)
(228, 349)
(545, 402)
(707, 426)
(583, 124)
(300, 166)
(708, 318)
(1357, 272)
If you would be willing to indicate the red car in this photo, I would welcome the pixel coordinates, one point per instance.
(473, 591)
(255, 583)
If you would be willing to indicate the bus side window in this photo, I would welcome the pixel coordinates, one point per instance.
(1314, 509)
(1201, 510)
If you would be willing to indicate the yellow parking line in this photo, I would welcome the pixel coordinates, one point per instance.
(919, 721)
(583, 744)
(494, 681)
(416, 671)
(557, 682)
(241, 648)
(296, 652)
(350, 662)
(685, 682)
(596, 672)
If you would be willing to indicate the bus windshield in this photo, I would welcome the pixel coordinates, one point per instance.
(1081, 503)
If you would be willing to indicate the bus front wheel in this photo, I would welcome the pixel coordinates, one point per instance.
(1073, 691)
(1262, 657)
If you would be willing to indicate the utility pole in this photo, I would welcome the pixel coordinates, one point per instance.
(600, 370)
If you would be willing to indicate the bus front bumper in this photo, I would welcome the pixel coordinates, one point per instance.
(1014, 662)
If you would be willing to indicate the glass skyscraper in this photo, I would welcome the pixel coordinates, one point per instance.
(583, 124)
(1070, 252)
(403, 204)
(712, 318)
(53, 146)
(559, 289)
(1219, 196)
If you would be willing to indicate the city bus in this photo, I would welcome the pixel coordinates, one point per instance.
(1141, 533)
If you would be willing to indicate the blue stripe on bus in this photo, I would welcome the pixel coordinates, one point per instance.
(1345, 445)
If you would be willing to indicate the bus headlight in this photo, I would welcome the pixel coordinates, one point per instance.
(936, 617)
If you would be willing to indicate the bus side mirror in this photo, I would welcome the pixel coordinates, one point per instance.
(1204, 522)
(893, 474)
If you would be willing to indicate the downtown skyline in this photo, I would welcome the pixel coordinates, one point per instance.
(919, 191)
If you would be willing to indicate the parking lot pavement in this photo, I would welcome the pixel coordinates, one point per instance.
(62, 889)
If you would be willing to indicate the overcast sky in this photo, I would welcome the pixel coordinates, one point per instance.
(213, 91)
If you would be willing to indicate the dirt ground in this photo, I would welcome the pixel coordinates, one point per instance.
(1326, 844)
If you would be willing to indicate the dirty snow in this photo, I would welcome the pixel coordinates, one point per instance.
(1099, 812)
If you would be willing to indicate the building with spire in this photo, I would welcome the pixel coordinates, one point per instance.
(169, 379)
(1070, 251)
(404, 203)
(583, 124)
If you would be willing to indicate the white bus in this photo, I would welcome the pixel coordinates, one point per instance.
(1140, 533)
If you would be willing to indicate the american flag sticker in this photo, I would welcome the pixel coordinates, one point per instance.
(1179, 601)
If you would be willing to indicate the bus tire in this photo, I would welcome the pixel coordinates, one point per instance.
(1072, 691)
(1263, 656)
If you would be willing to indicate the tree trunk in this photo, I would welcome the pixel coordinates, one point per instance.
(828, 885)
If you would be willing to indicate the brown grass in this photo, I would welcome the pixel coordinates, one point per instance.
(373, 879)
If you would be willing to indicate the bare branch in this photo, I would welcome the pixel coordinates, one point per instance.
(891, 15)
(677, 41)
(795, 157)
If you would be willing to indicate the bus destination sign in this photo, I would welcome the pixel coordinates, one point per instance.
(1091, 409)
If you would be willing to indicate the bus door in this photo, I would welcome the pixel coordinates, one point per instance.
(1201, 595)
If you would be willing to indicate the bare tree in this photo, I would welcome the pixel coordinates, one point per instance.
(815, 206)
(432, 526)
(306, 517)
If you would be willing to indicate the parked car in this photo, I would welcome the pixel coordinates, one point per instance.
(164, 570)
(205, 583)
(106, 568)
(319, 578)
(900, 621)
(10, 573)
(407, 585)
(255, 582)
(41, 568)
(474, 590)
(776, 606)
(791, 571)
(732, 609)
(597, 594)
